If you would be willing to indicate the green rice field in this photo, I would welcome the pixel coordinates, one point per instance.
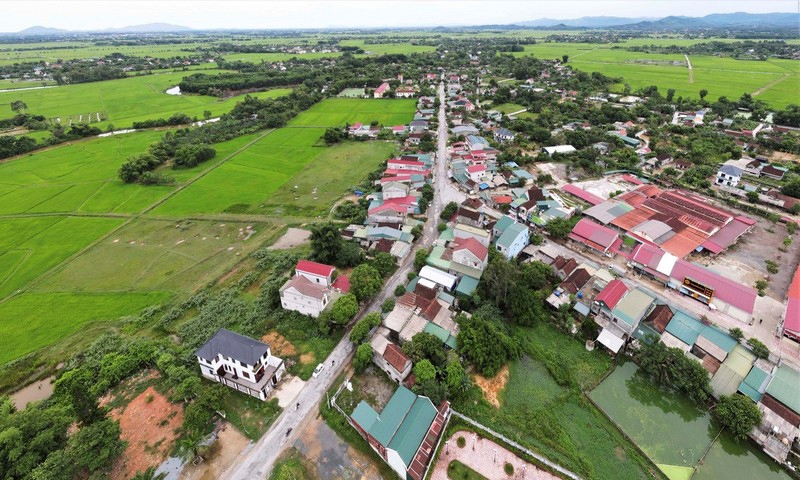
(73, 235)
(122, 102)
(775, 81)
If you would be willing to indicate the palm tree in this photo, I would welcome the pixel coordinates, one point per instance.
(149, 474)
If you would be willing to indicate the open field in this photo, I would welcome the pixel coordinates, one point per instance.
(721, 76)
(52, 51)
(31, 246)
(124, 101)
(508, 108)
(45, 318)
(387, 48)
(335, 112)
(245, 183)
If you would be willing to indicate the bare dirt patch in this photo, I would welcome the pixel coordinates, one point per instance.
(491, 387)
(292, 238)
(149, 425)
(279, 345)
(307, 358)
(220, 457)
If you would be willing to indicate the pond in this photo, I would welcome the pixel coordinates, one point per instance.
(33, 392)
(675, 434)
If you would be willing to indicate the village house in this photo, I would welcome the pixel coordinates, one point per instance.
(389, 357)
(405, 92)
(465, 231)
(504, 135)
(301, 295)
(562, 149)
(381, 90)
(510, 237)
(405, 433)
(240, 363)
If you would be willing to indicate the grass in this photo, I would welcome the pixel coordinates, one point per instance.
(292, 465)
(124, 101)
(508, 108)
(774, 81)
(288, 157)
(31, 246)
(250, 415)
(458, 471)
(35, 320)
(158, 255)
(543, 408)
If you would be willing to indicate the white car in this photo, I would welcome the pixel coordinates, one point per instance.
(318, 370)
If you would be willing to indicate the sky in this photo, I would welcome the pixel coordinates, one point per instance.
(271, 14)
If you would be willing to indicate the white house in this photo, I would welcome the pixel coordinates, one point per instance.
(240, 363)
(318, 273)
(395, 190)
(405, 92)
(301, 295)
(466, 231)
(729, 175)
(503, 135)
(512, 240)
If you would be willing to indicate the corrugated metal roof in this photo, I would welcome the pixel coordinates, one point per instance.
(582, 194)
(684, 327)
(633, 306)
(754, 383)
(785, 387)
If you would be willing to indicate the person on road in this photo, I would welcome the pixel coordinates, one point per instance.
(297, 407)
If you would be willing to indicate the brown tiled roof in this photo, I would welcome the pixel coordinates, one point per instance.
(395, 357)
(535, 193)
(471, 214)
(576, 280)
(659, 318)
(424, 292)
(569, 266)
(432, 310)
(559, 262)
(383, 245)
(472, 203)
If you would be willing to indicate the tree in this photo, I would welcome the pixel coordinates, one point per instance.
(738, 414)
(363, 357)
(420, 259)
(485, 344)
(456, 376)
(326, 242)
(365, 282)
(344, 309)
(448, 211)
(18, 106)
(95, 446)
(75, 385)
(558, 228)
(388, 305)
(670, 94)
(424, 346)
(759, 349)
(359, 332)
(207, 114)
(791, 188)
(424, 371)
(334, 135)
(384, 263)
(703, 94)
(736, 333)
(565, 58)
(350, 255)
(670, 367)
(752, 197)
(432, 389)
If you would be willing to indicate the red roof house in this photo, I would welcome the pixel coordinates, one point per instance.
(317, 273)
(594, 235)
(612, 294)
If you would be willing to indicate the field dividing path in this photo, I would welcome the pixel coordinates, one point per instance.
(205, 172)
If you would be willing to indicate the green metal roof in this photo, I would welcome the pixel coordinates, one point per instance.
(412, 285)
(503, 223)
(633, 306)
(510, 235)
(467, 285)
(466, 270)
(684, 327)
(718, 338)
(402, 424)
(732, 371)
(413, 428)
(752, 383)
(446, 297)
(435, 259)
(445, 336)
(784, 387)
(644, 330)
(447, 235)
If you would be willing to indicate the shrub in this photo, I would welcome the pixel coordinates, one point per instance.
(461, 442)
(509, 469)
(363, 357)
(387, 306)
(759, 349)
(399, 291)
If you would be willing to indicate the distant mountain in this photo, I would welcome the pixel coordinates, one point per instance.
(720, 20)
(149, 28)
(40, 30)
(588, 22)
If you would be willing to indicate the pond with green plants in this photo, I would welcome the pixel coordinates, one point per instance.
(682, 439)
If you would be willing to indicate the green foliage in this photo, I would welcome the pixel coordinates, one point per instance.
(434, 390)
(29, 436)
(670, 367)
(448, 211)
(399, 290)
(193, 155)
(791, 227)
(424, 371)
(334, 135)
(738, 414)
(420, 259)
(359, 332)
(441, 227)
(424, 346)
(344, 309)
(136, 165)
(761, 286)
(736, 333)
(508, 468)
(759, 349)
(95, 446)
(388, 305)
(455, 376)
(559, 228)
(326, 242)
(365, 282)
(772, 266)
(461, 442)
(349, 255)
(363, 357)
(484, 343)
(458, 471)
(384, 263)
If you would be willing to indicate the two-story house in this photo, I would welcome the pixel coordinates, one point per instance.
(240, 363)
(317, 273)
(302, 295)
(513, 240)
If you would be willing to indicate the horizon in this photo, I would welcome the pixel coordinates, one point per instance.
(309, 15)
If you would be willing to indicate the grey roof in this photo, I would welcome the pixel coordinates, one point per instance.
(504, 132)
(731, 170)
(233, 345)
